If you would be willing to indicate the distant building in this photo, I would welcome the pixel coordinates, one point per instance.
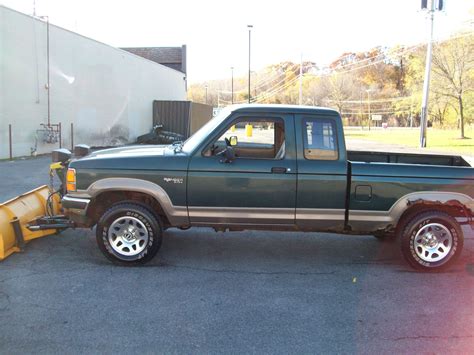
(172, 57)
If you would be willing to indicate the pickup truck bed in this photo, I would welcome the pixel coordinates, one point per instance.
(387, 189)
(406, 158)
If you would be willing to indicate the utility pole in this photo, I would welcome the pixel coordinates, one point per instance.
(250, 33)
(430, 6)
(301, 80)
(232, 85)
(206, 93)
(368, 104)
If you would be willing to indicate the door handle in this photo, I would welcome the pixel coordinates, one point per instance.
(279, 170)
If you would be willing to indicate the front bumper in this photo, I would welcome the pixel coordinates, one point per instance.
(76, 209)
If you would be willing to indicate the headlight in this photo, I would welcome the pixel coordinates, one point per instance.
(71, 180)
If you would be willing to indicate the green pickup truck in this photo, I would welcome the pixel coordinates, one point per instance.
(271, 167)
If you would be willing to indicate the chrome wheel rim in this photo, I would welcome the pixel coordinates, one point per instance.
(128, 236)
(433, 242)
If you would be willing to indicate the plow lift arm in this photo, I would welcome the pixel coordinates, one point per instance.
(36, 213)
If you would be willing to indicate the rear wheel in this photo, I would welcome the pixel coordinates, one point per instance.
(129, 234)
(431, 241)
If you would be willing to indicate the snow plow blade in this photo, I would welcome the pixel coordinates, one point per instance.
(19, 219)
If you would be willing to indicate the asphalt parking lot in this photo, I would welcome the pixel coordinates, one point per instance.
(240, 292)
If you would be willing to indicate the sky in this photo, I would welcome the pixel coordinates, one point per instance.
(216, 33)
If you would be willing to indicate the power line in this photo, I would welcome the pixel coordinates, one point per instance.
(392, 99)
(266, 95)
(379, 112)
(404, 51)
(266, 81)
(277, 87)
(272, 91)
(398, 53)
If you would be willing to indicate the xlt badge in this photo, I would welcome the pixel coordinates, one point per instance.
(174, 180)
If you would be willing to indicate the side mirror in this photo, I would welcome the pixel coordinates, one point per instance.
(233, 141)
(228, 155)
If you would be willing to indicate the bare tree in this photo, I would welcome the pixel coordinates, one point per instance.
(339, 88)
(453, 67)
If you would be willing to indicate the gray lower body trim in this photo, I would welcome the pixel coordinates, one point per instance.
(320, 219)
(333, 219)
(305, 218)
(370, 221)
(317, 214)
(241, 215)
(178, 215)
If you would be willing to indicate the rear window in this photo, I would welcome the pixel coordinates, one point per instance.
(320, 139)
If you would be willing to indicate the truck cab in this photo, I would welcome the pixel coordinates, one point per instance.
(258, 186)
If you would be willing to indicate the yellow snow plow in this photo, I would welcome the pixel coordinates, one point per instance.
(36, 213)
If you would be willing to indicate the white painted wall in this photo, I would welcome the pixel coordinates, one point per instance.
(105, 92)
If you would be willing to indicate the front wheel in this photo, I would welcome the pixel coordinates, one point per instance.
(129, 234)
(431, 241)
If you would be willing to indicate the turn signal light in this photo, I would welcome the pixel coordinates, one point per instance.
(71, 180)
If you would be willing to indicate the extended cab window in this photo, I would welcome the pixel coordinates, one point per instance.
(255, 138)
(320, 139)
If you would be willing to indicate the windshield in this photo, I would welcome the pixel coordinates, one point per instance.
(197, 138)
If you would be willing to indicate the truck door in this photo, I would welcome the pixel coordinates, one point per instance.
(322, 172)
(258, 186)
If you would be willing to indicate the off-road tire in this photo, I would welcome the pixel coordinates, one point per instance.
(151, 227)
(410, 243)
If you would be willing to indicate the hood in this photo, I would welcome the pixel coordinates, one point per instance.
(134, 157)
(131, 151)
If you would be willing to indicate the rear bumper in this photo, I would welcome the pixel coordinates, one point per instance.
(76, 209)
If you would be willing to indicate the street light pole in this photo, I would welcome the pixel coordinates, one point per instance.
(250, 32)
(426, 84)
(232, 85)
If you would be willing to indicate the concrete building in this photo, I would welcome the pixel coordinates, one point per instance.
(106, 93)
